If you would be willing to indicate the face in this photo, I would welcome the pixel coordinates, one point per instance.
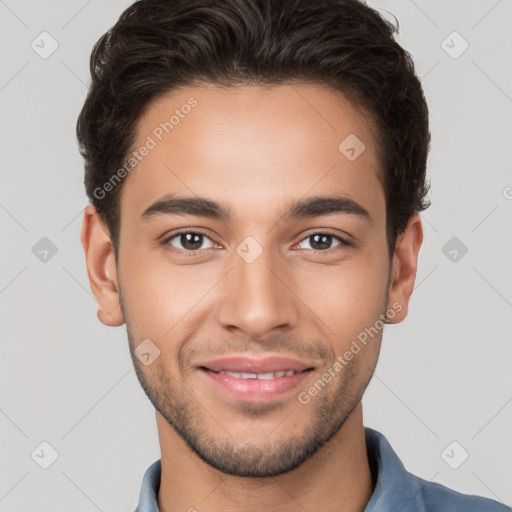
(252, 245)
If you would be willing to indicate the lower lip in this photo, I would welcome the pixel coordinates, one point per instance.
(256, 390)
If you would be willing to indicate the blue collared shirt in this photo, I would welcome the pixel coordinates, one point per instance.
(396, 489)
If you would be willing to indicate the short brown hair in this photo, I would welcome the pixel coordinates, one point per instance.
(159, 45)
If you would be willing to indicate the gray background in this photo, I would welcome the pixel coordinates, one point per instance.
(444, 374)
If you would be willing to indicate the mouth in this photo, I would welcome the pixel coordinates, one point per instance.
(255, 380)
(259, 376)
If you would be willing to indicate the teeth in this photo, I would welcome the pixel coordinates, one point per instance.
(248, 376)
(261, 376)
(267, 376)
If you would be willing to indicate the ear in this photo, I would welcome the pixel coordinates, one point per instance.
(403, 270)
(101, 268)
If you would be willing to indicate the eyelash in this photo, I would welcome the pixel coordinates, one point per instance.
(343, 242)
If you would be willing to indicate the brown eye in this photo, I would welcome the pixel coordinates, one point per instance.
(189, 241)
(322, 241)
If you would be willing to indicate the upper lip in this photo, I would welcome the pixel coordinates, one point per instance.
(251, 365)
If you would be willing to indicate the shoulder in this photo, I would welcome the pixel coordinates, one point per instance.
(398, 490)
(437, 497)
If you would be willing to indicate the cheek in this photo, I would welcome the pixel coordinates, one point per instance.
(349, 298)
(157, 295)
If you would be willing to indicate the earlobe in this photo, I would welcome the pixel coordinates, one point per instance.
(403, 271)
(101, 268)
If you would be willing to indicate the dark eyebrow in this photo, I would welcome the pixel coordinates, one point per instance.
(179, 205)
(318, 206)
(309, 207)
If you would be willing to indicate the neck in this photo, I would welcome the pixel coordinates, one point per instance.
(336, 478)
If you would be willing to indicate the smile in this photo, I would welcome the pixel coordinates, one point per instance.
(260, 376)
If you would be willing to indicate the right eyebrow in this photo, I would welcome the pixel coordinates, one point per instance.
(171, 204)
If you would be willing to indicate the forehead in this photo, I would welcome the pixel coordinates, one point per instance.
(254, 148)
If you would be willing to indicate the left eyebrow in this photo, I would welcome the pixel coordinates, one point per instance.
(316, 206)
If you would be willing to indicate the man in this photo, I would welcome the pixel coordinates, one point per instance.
(256, 170)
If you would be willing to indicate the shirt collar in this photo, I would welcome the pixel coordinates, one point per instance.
(395, 489)
(149, 490)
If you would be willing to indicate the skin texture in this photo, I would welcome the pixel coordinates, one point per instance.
(255, 150)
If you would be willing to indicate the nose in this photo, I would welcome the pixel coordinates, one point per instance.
(257, 298)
